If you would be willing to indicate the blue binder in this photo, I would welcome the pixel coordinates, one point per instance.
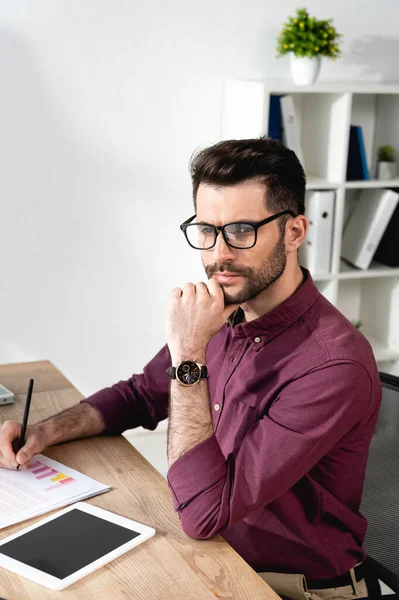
(274, 129)
(357, 168)
(366, 174)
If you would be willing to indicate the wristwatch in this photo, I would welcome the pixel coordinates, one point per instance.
(188, 372)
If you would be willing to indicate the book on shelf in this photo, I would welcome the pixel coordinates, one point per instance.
(357, 168)
(316, 250)
(290, 126)
(275, 127)
(387, 252)
(366, 225)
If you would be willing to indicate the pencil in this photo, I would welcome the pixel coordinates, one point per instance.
(25, 417)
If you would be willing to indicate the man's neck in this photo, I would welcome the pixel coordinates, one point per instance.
(274, 295)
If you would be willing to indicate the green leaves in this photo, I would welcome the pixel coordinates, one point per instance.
(386, 154)
(306, 36)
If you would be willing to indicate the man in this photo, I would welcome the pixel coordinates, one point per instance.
(271, 392)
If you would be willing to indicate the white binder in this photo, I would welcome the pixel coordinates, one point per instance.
(316, 250)
(291, 137)
(366, 226)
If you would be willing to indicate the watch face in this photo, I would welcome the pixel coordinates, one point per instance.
(188, 372)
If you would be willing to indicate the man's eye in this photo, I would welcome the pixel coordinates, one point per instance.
(244, 228)
(241, 229)
(205, 229)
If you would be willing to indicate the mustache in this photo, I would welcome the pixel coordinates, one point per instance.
(229, 267)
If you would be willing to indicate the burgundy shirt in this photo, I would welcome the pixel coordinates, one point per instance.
(294, 397)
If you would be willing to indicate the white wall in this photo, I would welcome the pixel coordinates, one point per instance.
(101, 104)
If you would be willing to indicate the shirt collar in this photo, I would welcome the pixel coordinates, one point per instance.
(271, 324)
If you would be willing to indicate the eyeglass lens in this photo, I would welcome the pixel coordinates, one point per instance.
(203, 237)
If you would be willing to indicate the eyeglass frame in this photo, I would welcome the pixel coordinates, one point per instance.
(218, 228)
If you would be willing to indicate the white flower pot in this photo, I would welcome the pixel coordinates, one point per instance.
(386, 170)
(304, 69)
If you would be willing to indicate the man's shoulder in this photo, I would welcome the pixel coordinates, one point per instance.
(328, 337)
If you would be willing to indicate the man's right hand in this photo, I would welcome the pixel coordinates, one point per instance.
(10, 432)
(79, 421)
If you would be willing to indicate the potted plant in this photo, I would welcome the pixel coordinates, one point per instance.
(306, 40)
(386, 163)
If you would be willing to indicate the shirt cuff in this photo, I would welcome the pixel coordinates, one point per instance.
(195, 471)
(108, 403)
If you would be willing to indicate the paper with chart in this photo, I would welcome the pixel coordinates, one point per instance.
(44, 486)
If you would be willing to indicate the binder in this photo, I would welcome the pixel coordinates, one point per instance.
(291, 127)
(357, 168)
(362, 150)
(316, 250)
(366, 226)
(275, 130)
(387, 252)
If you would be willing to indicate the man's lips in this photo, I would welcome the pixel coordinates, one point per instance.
(226, 277)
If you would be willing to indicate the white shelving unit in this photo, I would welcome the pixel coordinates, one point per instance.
(325, 113)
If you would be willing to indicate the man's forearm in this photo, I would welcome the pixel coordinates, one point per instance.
(82, 420)
(190, 420)
(194, 315)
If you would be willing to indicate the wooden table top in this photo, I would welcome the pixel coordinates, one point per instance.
(168, 566)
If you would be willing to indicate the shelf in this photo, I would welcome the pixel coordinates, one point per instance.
(324, 113)
(372, 183)
(286, 86)
(374, 270)
(322, 276)
(381, 353)
(318, 183)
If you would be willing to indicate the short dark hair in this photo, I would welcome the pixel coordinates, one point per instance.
(261, 159)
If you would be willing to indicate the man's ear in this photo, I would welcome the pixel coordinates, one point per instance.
(295, 232)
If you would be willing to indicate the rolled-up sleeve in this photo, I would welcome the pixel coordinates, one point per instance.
(310, 416)
(141, 400)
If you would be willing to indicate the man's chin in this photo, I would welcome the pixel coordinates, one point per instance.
(232, 298)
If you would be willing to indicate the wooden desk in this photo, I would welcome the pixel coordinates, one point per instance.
(170, 566)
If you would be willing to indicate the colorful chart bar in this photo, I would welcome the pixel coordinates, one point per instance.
(39, 470)
(59, 484)
(42, 471)
(48, 473)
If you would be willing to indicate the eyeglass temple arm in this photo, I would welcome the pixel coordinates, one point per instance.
(189, 220)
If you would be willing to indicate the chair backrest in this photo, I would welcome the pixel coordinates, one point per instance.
(380, 503)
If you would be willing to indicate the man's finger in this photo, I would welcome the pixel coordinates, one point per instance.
(215, 289)
(202, 289)
(176, 292)
(34, 445)
(8, 460)
(188, 289)
(25, 454)
(9, 434)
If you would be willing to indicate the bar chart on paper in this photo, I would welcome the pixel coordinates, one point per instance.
(43, 486)
(42, 471)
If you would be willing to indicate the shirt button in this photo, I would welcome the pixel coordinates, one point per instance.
(257, 340)
(217, 407)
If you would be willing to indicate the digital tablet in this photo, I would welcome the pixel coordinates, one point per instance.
(69, 545)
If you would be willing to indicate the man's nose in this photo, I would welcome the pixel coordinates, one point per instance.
(222, 251)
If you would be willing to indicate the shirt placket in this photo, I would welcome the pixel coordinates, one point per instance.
(236, 350)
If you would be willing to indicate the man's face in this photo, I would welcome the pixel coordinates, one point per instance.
(243, 274)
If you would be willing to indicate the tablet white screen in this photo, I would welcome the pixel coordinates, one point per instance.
(67, 544)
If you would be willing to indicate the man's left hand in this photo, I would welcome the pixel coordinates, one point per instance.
(194, 315)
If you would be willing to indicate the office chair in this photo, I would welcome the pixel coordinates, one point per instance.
(380, 503)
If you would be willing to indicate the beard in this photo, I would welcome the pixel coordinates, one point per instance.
(257, 280)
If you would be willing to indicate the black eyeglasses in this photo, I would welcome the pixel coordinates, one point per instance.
(240, 234)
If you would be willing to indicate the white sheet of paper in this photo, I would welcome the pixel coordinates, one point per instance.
(44, 486)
